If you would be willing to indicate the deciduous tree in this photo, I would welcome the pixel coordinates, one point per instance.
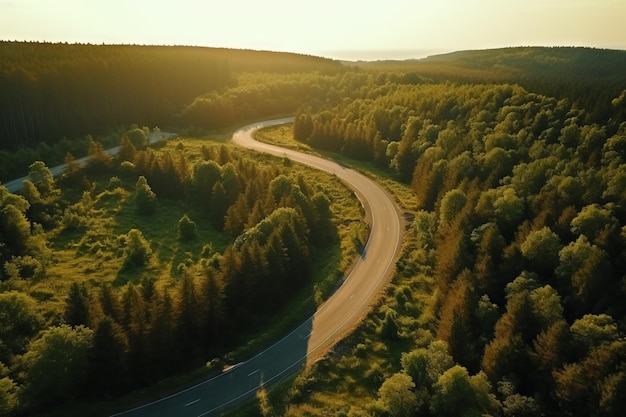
(56, 365)
(397, 395)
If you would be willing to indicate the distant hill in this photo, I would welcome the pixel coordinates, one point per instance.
(588, 76)
(51, 90)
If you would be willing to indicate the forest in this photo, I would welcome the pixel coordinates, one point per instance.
(115, 268)
(507, 299)
(54, 94)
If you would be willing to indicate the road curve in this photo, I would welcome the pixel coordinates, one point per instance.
(313, 338)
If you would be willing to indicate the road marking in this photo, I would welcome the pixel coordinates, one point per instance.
(193, 402)
(252, 373)
(231, 367)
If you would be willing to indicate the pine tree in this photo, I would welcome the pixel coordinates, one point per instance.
(77, 305)
(107, 359)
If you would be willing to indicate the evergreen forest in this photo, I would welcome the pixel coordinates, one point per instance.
(509, 166)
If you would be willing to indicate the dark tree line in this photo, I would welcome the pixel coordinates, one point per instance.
(588, 77)
(52, 91)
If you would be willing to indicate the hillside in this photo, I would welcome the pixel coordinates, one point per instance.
(586, 76)
(510, 166)
(51, 91)
(508, 296)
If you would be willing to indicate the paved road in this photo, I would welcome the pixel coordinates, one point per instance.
(17, 184)
(313, 338)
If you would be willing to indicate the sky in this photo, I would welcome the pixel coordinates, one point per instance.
(339, 29)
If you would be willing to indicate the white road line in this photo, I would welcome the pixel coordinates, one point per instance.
(191, 403)
(253, 372)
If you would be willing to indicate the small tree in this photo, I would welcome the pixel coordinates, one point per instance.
(56, 364)
(138, 137)
(138, 251)
(186, 228)
(451, 205)
(43, 179)
(145, 198)
(77, 305)
(99, 158)
(458, 394)
(541, 248)
(389, 326)
(303, 127)
(397, 395)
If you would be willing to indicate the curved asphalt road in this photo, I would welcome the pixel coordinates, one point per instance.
(313, 338)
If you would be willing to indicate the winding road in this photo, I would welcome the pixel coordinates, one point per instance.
(332, 321)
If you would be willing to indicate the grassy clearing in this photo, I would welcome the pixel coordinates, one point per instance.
(91, 254)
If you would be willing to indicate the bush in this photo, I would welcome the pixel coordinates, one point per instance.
(138, 251)
(186, 228)
(145, 199)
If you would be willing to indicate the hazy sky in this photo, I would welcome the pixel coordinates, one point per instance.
(348, 29)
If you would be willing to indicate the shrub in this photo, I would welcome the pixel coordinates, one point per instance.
(186, 228)
(138, 251)
(145, 199)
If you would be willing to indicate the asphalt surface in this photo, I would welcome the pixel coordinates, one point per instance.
(17, 184)
(316, 336)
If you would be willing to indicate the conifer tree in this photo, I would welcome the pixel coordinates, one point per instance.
(77, 305)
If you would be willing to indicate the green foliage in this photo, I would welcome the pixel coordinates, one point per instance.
(542, 248)
(397, 396)
(517, 176)
(458, 394)
(41, 176)
(591, 331)
(137, 249)
(389, 326)
(56, 365)
(202, 306)
(426, 365)
(19, 323)
(590, 386)
(518, 233)
(145, 198)
(592, 221)
(187, 229)
(77, 306)
(15, 230)
(9, 400)
(451, 205)
(137, 137)
(107, 371)
(303, 127)
(99, 158)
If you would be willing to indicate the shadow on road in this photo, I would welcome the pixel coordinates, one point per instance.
(273, 365)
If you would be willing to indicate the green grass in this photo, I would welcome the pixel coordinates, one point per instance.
(91, 254)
